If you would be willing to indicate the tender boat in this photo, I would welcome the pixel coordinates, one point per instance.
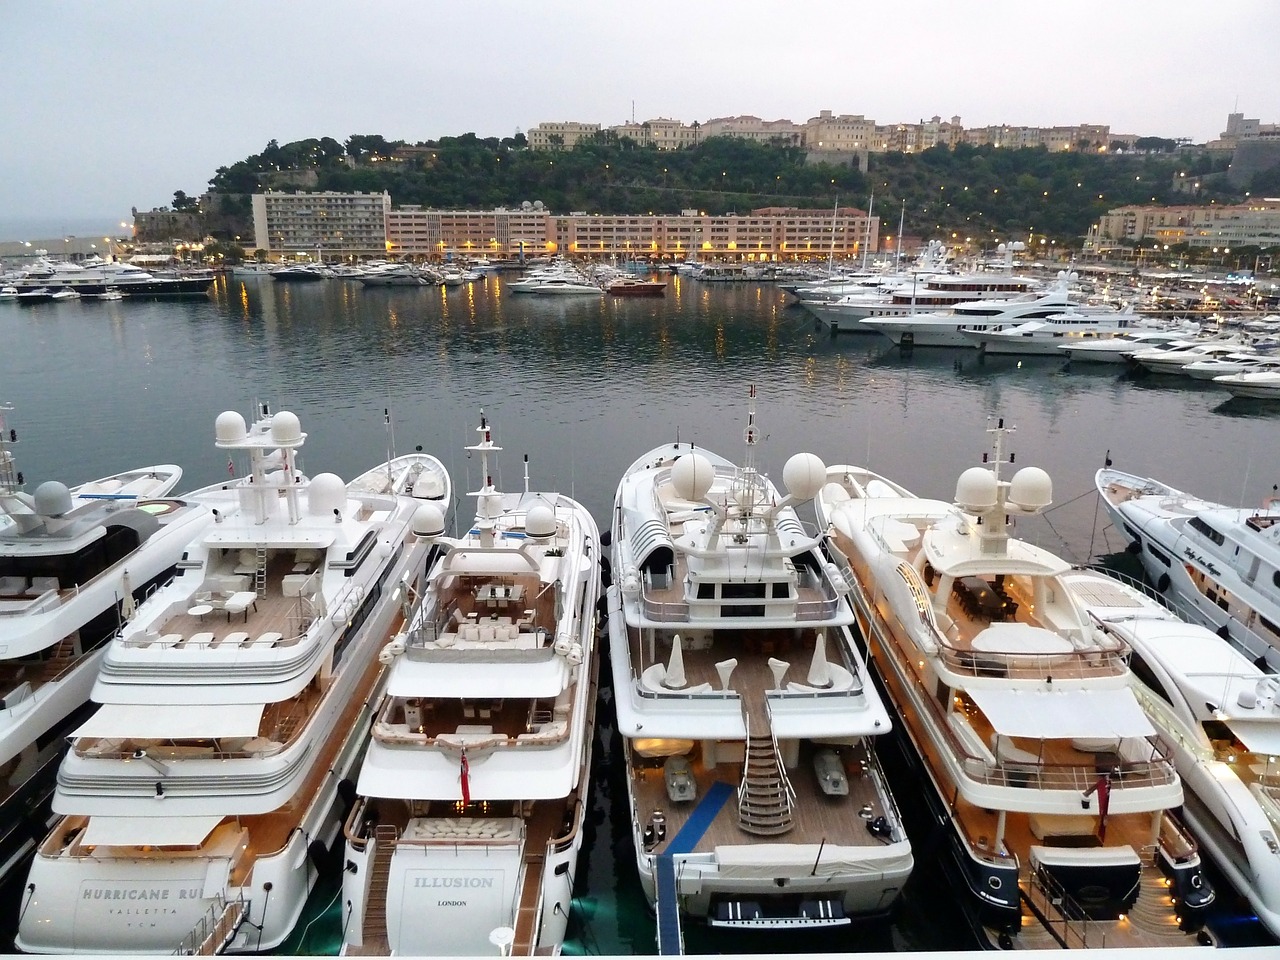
(1052, 789)
(1221, 564)
(1218, 711)
(196, 800)
(635, 287)
(747, 716)
(73, 565)
(473, 793)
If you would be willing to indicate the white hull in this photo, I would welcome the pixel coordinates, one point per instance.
(193, 798)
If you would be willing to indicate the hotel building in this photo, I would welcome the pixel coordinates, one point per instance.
(327, 225)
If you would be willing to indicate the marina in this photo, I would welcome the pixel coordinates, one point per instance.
(584, 386)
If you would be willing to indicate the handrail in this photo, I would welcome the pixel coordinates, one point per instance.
(215, 929)
(1058, 905)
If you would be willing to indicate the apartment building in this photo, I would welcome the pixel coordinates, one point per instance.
(327, 225)
(559, 136)
(764, 235)
(417, 232)
(1255, 223)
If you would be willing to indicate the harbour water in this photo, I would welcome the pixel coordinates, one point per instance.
(583, 386)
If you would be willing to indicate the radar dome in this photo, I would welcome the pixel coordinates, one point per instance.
(326, 494)
(52, 499)
(285, 427)
(428, 521)
(804, 475)
(692, 476)
(1031, 489)
(540, 522)
(976, 490)
(229, 427)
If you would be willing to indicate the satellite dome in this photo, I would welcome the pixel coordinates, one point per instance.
(326, 494)
(976, 490)
(229, 427)
(692, 476)
(52, 499)
(285, 428)
(1031, 489)
(428, 521)
(804, 475)
(540, 522)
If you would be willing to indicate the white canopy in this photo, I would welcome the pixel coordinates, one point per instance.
(1061, 714)
(173, 721)
(1260, 736)
(149, 831)
(456, 680)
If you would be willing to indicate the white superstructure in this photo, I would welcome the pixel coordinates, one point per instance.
(747, 715)
(232, 706)
(1218, 712)
(473, 793)
(73, 565)
(1222, 564)
(1054, 788)
(951, 328)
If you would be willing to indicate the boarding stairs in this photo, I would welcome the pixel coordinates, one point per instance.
(765, 795)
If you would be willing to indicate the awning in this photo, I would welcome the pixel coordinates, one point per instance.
(1260, 736)
(148, 831)
(173, 721)
(1062, 714)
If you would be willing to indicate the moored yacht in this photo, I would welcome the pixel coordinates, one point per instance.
(479, 763)
(1221, 563)
(947, 328)
(1053, 790)
(197, 798)
(73, 565)
(100, 276)
(1218, 711)
(747, 716)
(1046, 337)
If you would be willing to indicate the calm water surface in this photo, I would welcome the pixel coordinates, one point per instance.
(584, 387)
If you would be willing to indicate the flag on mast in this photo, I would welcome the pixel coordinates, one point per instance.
(466, 779)
(231, 466)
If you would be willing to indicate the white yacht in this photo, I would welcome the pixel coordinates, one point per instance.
(1212, 368)
(1174, 357)
(73, 565)
(99, 275)
(197, 799)
(1118, 348)
(747, 716)
(1218, 711)
(1254, 384)
(479, 764)
(1222, 564)
(947, 328)
(399, 274)
(1053, 790)
(1046, 337)
(916, 295)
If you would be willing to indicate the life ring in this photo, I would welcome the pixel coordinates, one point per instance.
(1162, 584)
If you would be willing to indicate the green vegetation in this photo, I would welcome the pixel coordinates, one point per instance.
(983, 193)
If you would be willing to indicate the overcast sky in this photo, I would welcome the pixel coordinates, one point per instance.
(108, 106)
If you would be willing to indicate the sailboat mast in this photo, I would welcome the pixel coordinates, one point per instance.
(870, 207)
(831, 254)
(897, 254)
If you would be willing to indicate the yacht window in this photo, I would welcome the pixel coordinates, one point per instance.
(742, 591)
(1158, 554)
(1275, 631)
(1196, 523)
(780, 591)
(1144, 673)
(706, 591)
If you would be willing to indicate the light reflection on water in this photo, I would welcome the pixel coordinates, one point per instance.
(584, 387)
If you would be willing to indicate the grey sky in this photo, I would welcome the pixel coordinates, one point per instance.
(109, 105)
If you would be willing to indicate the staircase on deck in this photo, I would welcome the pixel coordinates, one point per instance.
(765, 796)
